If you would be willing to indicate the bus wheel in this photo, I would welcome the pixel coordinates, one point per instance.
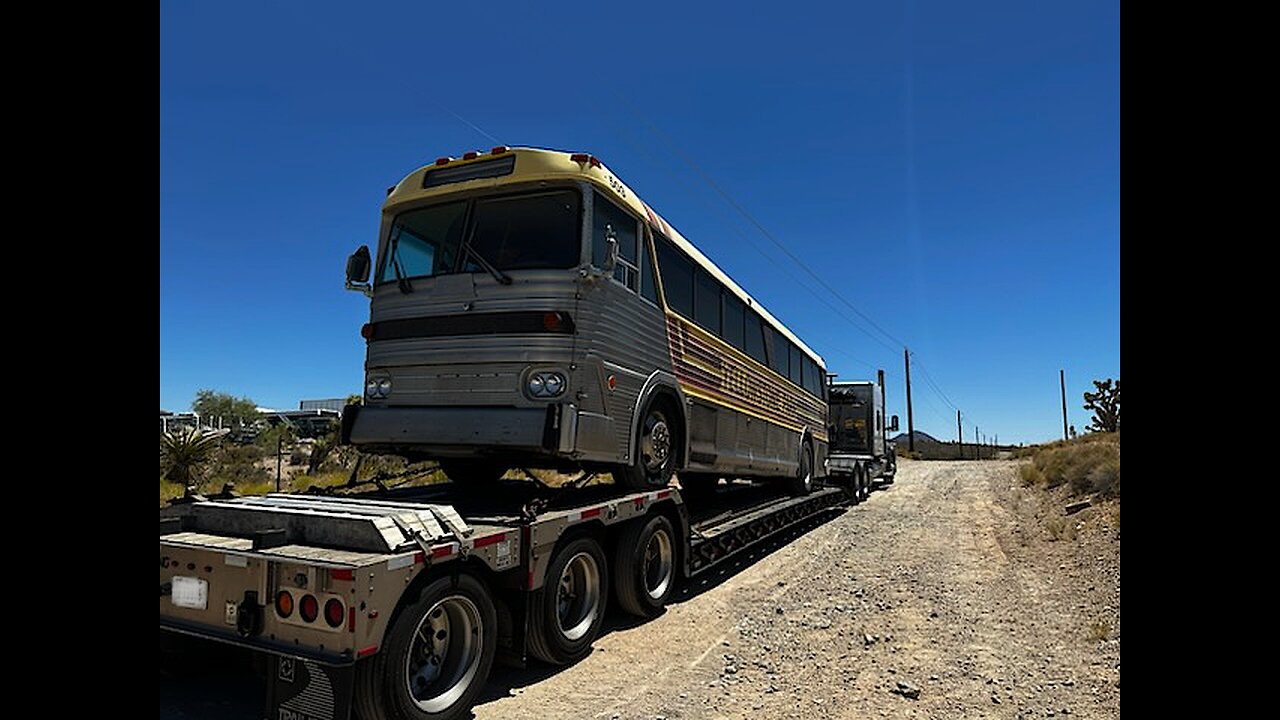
(437, 655)
(472, 472)
(645, 566)
(569, 608)
(655, 458)
(802, 483)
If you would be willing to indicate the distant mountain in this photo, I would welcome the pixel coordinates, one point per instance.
(922, 437)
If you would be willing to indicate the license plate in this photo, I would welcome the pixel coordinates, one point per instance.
(189, 592)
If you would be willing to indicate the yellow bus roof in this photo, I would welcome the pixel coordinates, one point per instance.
(533, 164)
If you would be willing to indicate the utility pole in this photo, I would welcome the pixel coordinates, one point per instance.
(1062, 380)
(911, 426)
(977, 449)
(959, 436)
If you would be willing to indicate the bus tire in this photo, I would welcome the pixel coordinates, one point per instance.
(644, 567)
(436, 656)
(654, 460)
(568, 610)
(472, 472)
(802, 483)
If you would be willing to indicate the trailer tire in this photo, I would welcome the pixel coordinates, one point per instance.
(802, 483)
(463, 624)
(567, 611)
(644, 567)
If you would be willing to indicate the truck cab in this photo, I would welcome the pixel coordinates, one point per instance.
(859, 449)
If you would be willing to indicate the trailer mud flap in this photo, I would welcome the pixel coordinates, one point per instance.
(299, 689)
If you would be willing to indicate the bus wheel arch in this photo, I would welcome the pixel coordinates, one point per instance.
(659, 443)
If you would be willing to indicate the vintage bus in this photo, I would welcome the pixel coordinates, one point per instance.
(527, 310)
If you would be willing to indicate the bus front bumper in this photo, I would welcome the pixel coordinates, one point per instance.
(440, 430)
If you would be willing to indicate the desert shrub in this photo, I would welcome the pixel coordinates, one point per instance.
(239, 465)
(1090, 464)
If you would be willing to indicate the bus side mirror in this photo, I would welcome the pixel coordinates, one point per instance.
(358, 271)
(610, 250)
(358, 266)
(893, 424)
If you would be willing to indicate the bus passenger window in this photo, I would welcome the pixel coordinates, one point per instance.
(733, 320)
(677, 278)
(706, 301)
(795, 364)
(779, 355)
(755, 338)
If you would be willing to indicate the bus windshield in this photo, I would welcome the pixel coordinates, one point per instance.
(513, 232)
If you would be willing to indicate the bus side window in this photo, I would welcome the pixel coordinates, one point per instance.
(755, 338)
(733, 320)
(706, 301)
(779, 355)
(677, 278)
(795, 363)
(607, 215)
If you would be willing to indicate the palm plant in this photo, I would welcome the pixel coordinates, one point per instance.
(185, 451)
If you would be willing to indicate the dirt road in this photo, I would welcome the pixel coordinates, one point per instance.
(947, 581)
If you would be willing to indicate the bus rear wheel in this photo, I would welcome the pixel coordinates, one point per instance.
(802, 483)
(654, 461)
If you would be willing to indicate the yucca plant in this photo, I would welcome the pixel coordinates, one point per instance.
(184, 451)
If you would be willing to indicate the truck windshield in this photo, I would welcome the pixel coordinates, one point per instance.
(848, 424)
(514, 232)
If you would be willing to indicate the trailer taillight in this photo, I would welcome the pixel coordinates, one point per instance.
(334, 613)
(284, 604)
(309, 608)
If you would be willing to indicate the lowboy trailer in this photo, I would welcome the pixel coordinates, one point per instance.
(395, 604)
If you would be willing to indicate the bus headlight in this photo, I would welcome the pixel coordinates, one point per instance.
(545, 384)
(375, 388)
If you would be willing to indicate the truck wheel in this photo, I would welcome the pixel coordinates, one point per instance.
(472, 472)
(437, 655)
(655, 458)
(864, 483)
(569, 608)
(802, 483)
(645, 566)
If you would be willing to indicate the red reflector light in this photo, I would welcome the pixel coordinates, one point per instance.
(580, 157)
(284, 604)
(552, 321)
(366, 331)
(471, 155)
(351, 620)
(613, 382)
(334, 613)
(498, 150)
(342, 574)
(490, 540)
(309, 608)
(443, 160)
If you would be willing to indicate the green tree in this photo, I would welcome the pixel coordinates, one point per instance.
(210, 405)
(1105, 404)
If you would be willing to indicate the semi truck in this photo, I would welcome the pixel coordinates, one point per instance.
(860, 453)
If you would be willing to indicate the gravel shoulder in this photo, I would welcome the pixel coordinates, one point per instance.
(944, 595)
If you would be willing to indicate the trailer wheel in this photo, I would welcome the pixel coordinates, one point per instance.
(802, 483)
(436, 657)
(644, 565)
(569, 608)
(472, 472)
(654, 460)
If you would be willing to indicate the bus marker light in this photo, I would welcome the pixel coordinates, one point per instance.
(498, 150)
(613, 382)
(443, 160)
(471, 155)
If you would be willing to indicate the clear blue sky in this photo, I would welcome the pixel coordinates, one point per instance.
(953, 169)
